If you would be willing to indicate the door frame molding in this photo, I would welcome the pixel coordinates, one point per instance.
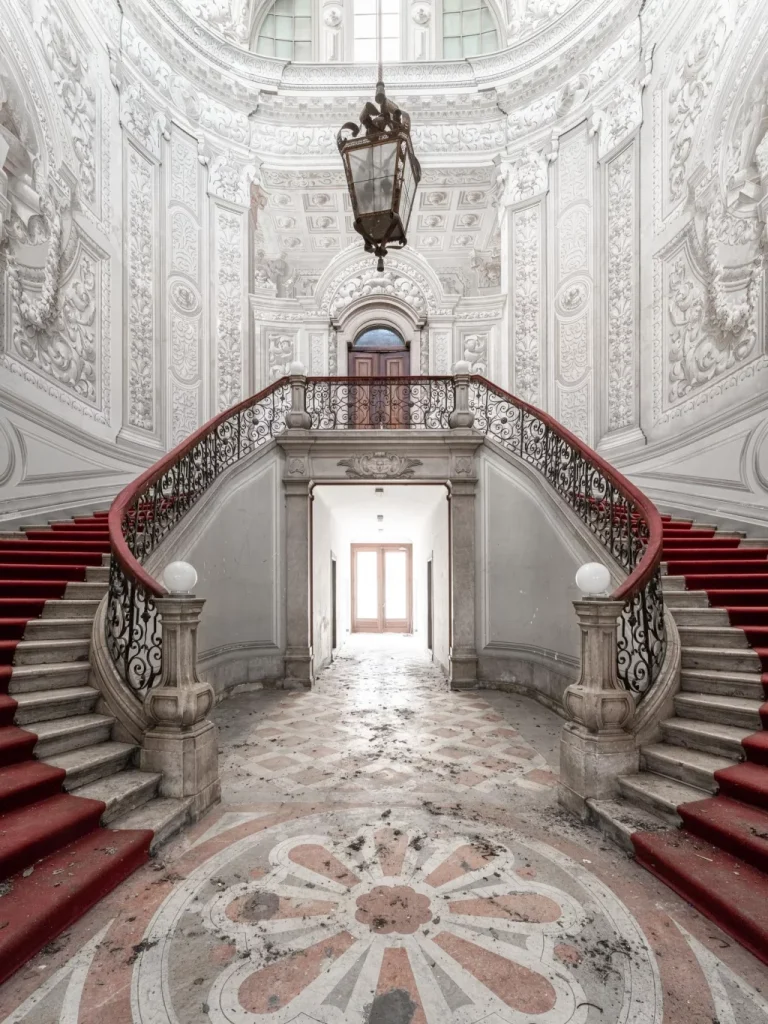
(380, 624)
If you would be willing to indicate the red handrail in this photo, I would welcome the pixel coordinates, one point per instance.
(128, 562)
(648, 564)
(640, 576)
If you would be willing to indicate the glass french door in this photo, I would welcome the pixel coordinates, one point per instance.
(381, 588)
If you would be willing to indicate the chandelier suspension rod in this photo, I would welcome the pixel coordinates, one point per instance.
(379, 60)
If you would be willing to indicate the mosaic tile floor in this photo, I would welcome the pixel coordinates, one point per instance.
(389, 852)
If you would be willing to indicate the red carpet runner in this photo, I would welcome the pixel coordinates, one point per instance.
(74, 861)
(719, 860)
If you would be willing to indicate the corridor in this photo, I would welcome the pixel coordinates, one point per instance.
(389, 852)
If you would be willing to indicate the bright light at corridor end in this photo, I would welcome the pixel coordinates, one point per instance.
(593, 579)
(179, 578)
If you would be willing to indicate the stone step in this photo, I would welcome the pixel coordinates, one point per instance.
(46, 705)
(658, 795)
(163, 815)
(710, 707)
(672, 584)
(753, 542)
(71, 609)
(710, 737)
(721, 659)
(91, 763)
(712, 636)
(96, 574)
(691, 767)
(27, 678)
(122, 793)
(686, 599)
(48, 652)
(619, 819)
(58, 629)
(727, 684)
(85, 591)
(63, 734)
(708, 617)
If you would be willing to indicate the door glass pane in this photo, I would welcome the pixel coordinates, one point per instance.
(367, 598)
(395, 586)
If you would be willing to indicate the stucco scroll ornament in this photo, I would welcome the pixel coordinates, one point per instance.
(69, 68)
(230, 179)
(733, 319)
(523, 178)
(380, 465)
(688, 91)
(140, 118)
(476, 352)
(230, 17)
(41, 313)
(617, 119)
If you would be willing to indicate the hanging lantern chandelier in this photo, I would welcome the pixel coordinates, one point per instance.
(381, 168)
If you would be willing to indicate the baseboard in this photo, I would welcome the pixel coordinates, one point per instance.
(527, 670)
(242, 666)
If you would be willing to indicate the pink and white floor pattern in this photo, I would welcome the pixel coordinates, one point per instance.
(404, 863)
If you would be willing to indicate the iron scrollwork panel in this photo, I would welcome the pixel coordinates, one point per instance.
(133, 627)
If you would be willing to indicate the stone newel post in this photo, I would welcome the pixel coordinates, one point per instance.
(461, 416)
(298, 417)
(183, 744)
(595, 747)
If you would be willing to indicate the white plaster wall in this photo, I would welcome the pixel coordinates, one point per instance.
(436, 546)
(321, 583)
(528, 638)
(238, 554)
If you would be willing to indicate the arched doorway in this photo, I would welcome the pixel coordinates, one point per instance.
(379, 351)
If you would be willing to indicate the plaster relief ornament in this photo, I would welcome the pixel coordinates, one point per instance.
(139, 117)
(70, 71)
(286, 223)
(372, 282)
(230, 178)
(472, 198)
(476, 352)
(463, 241)
(421, 14)
(616, 121)
(279, 354)
(430, 242)
(435, 199)
(319, 199)
(524, 178)
(229, 17)
(433, 220)
(332, 17)
(324, 222)
(689, 88)
(292, 242)
(380, 465)
(467, 220)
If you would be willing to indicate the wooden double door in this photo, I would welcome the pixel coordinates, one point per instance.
(383, 402)
(379, 364)
(382, 581)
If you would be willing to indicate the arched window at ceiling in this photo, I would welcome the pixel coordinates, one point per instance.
(345, 30)
(468, 29)
(379, 337)
(365, 31)
(286, 32)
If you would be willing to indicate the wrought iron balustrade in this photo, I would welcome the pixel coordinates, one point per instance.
(146, 512)
(626, 523)
(380, 403)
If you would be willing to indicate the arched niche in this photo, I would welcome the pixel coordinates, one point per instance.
(378, 311)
